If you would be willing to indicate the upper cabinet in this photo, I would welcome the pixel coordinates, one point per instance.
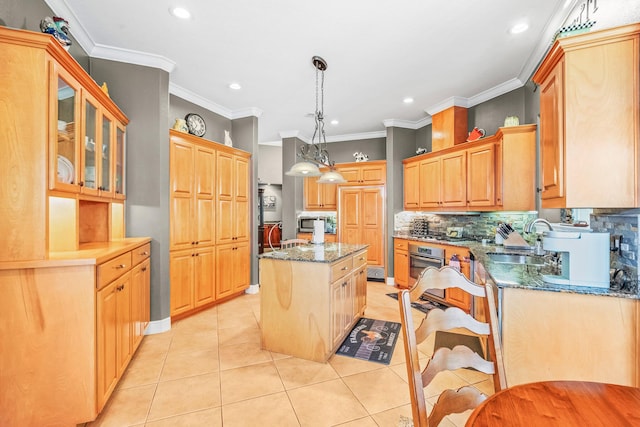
(319, 196)
(475, 176)
(369, 173)
(64, 153)
(589, 115)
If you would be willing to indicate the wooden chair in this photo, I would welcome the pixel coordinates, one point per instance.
(284, 244)
(450, 401)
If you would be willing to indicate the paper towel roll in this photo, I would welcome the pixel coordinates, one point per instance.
(318, 231)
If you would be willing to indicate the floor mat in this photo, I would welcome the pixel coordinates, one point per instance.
(372, 340)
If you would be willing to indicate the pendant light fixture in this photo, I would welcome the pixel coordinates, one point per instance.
(315, 154)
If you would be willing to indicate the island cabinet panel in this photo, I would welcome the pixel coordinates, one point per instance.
(569, 336)
(307, 308)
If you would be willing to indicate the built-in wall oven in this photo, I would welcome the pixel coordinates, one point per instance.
(422, 256)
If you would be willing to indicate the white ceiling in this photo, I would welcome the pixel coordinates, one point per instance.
(377, 52)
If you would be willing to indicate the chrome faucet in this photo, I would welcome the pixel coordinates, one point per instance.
(531, 225)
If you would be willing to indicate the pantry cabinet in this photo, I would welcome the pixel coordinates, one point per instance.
(209, 257)
(494, 173)
(589, 115)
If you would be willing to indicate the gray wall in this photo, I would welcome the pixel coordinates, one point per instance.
(342, 152)
(401, 144)
(490, 115)
(147, 204)
(27, 14)
(215, 124)
(270, 164)
(292, 187)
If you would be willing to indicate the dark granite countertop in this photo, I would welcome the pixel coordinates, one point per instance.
(327, 252)
(521, 276)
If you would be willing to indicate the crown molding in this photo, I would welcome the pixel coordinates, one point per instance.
(133, 57)
(406, 124)
(454, 101)
(335, 138)
(246, 112)
(495, 91)
(187, 95)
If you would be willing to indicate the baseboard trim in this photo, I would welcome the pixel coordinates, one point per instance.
(158, 326)
(391, 281)
(252, 289)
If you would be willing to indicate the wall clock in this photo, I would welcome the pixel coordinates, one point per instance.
(195, 124)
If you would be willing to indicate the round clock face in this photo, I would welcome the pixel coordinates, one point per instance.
(195, 123)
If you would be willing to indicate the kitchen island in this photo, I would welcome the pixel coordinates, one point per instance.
(559, 332)
(310, 297)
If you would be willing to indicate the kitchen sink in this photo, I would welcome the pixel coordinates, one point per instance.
(516, 259)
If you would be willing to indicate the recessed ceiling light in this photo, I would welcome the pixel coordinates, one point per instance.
(519, 28)
(334, 122)
(407, 100)
(235, 86)
(180, 12)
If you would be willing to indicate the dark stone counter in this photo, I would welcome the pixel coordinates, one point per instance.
(327, 252)
(521, 276)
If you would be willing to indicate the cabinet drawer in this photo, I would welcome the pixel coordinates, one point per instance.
(341, 268)
(114, 268)
(401, 244)
(359, 259)
(140, 254)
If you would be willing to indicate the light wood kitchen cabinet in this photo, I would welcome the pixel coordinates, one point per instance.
(234, 272)
(114, 335)
(361, 220)
(401, 262)
(45, 157)
(192, 196)
(329, 295)
(342, 303)
(319, 196)
(360, 283)
(411, 179)
(209, 255)
(589, 114)
(192, 279)
(494, 173)
(232, 217)
(455, 296)
(370, 173)
(329, 238)
(140, 299)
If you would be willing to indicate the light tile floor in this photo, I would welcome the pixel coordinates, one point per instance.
(209, 370)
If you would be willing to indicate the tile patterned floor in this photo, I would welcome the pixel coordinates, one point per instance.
(209, 370)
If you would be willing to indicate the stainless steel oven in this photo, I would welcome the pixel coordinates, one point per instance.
(422, 256)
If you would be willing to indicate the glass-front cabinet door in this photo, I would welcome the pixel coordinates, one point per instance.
(119, 162)
(90, 149)
(65, 107)
(106, 186)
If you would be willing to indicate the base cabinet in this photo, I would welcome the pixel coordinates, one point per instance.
(71, 327)
(193, 279)
(233, 276)
(401, 263)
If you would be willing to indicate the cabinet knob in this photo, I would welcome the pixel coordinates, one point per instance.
(144, 253)
(81, 183)
(144, 268)
(119, 266)
(197, 254)
(345, 268)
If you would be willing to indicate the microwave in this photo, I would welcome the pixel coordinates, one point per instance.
(305, 224)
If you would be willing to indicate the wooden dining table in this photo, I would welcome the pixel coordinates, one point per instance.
(560, 403)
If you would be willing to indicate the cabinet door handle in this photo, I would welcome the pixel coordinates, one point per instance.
(144, 253)
(344, 284)
(144, 268)
(344, 268)
(119, 266)
(81, 183)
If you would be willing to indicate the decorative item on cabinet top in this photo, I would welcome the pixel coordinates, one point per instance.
(475, 134)
(58, 28)
(181, 125)
(195, 124)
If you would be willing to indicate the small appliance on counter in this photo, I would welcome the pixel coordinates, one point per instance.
(318, 232)
(585, 258)
(306, 222)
